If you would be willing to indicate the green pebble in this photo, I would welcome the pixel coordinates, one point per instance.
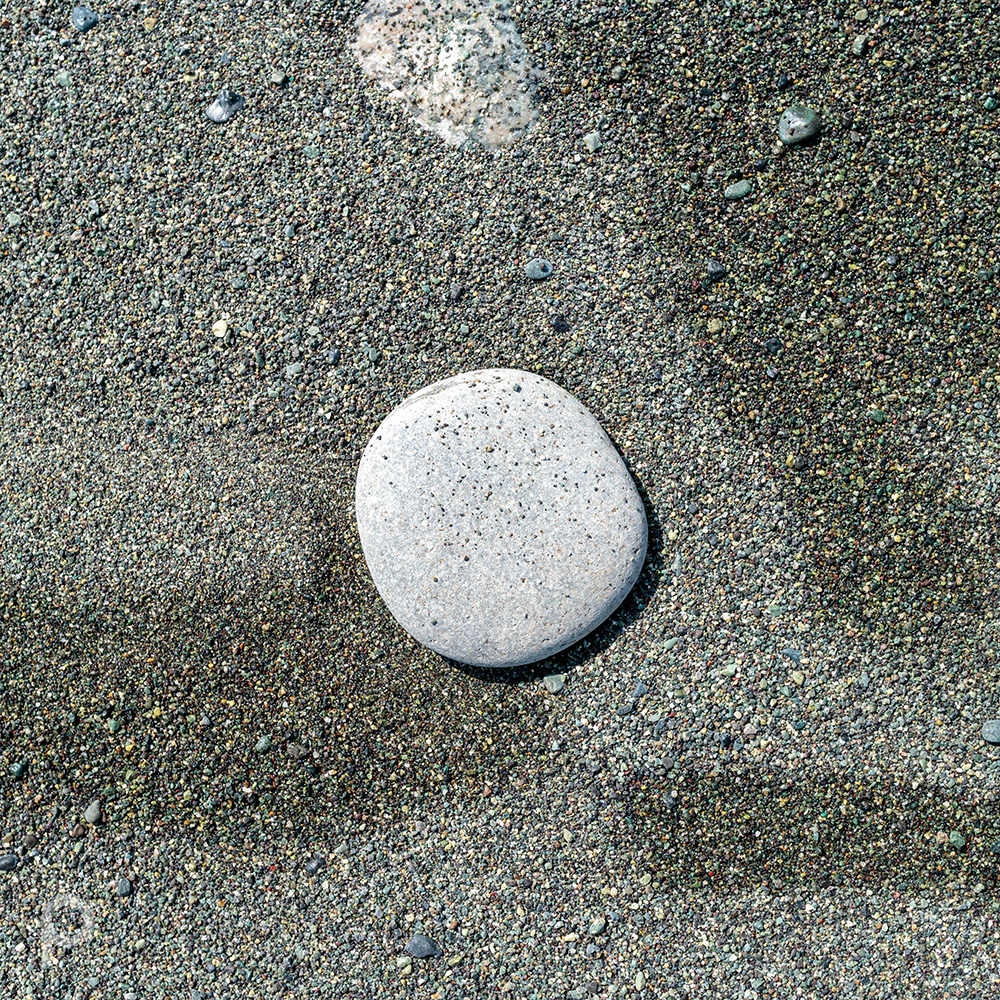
(18, 769)
(738, 190)
(263, 744)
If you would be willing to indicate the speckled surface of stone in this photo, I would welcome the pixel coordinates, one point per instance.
(498, 521)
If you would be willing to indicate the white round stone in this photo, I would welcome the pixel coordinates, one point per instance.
(498, 521)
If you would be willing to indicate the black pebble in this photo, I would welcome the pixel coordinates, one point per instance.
(558, 323)
(774, 346)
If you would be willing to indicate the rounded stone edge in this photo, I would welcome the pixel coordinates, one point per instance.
(639, 562)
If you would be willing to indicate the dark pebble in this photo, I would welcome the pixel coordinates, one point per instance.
(8, 862)
(124, 887)
(420, 946)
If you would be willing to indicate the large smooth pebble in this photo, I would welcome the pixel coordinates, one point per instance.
(498, 521)
(797, 124)
(83, 18)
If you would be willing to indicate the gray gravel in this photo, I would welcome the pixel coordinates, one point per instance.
(767, 773)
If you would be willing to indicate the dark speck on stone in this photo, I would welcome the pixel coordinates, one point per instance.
(716, 271)
(762, 163)
(224, 106)
(784, 82)
(421, 946)
(774, 346)
(313, 865)
(83, 18)
(558, 323)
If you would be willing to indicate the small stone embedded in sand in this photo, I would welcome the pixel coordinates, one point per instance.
(224, 106)
(83, 18)
(798, 124)
(498, 521)
(460, 68)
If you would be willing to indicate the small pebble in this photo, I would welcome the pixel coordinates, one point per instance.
(92, 814)
(738, 190)
(124, 887)
(421, 946)
(991, 731)
(8, 862)
(224, 106)
(593, 141)
(83, 18)
(538, 268)
(798, 124)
